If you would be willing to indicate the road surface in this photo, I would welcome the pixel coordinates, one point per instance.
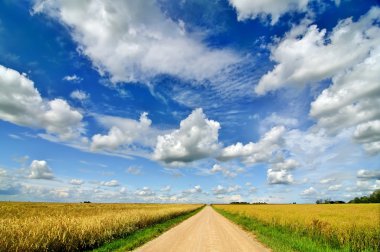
(205, 231)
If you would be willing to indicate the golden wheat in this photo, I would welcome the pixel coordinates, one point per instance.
(356, 226)
(74, 227)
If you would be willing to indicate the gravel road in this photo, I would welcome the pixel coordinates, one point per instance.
(205, 231)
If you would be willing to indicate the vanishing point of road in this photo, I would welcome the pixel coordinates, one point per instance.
(205, 231)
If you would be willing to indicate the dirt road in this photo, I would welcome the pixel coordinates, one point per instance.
(206, 231)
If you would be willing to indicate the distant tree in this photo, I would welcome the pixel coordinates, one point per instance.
(373, 198)
(329, 201)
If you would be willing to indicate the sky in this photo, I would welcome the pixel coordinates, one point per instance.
(189, 101)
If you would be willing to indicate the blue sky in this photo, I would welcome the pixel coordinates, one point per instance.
(189, 101)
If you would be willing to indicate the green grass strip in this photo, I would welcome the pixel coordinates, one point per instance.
(279, 238)
(141, 236)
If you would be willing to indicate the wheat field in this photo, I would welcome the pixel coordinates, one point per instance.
(352, 226)
(76, 227)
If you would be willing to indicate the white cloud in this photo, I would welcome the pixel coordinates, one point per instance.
(308, 54)
(62, 119)
(72, 78)
(334, 187)
(274, 9)
(327, 180)
(351, 101)
(226, 173)
(111, 183)
(279, 172)
(195, 189)
(309, 191)
(368, 134)
(124, 132)
(15, 136)
(76, 181)
(196, 138)
(3, 172)
(255, 152)
(60, 193)
(368, 174)
(219, 189)
(288, 164)
(275, 119)
(133, 40)
(145, 192)
(22, 104)
(315, 148)
(39, 169)
(229, 198)
(134, 170)
(79, 95)
(279, 177)
(367, 186)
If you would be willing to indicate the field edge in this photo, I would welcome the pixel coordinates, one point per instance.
(144, 235)
(279, 239)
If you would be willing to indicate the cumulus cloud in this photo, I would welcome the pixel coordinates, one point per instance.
(219, 189)
(76, 182)
(368, 174)
(279, 177)
(196, 138)
(350, 55)
(308, 54)
(133, 40)
(226, 172)
(327, 180)
(39, 169)
(72, 78)
(279, 172)
(309, 192)
(267, 9)
(255, 152)
(22, 104)
(79, 95)
(145, 192)
(195, 189)
(111, 183)
(365, 186)
(334, 187)
(124, 132)
(368, 134)
(288, 164)
(351, 101)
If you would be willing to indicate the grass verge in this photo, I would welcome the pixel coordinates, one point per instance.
(279, 238)
(141, 236)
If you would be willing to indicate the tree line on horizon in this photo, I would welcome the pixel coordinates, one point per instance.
(372, 198)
